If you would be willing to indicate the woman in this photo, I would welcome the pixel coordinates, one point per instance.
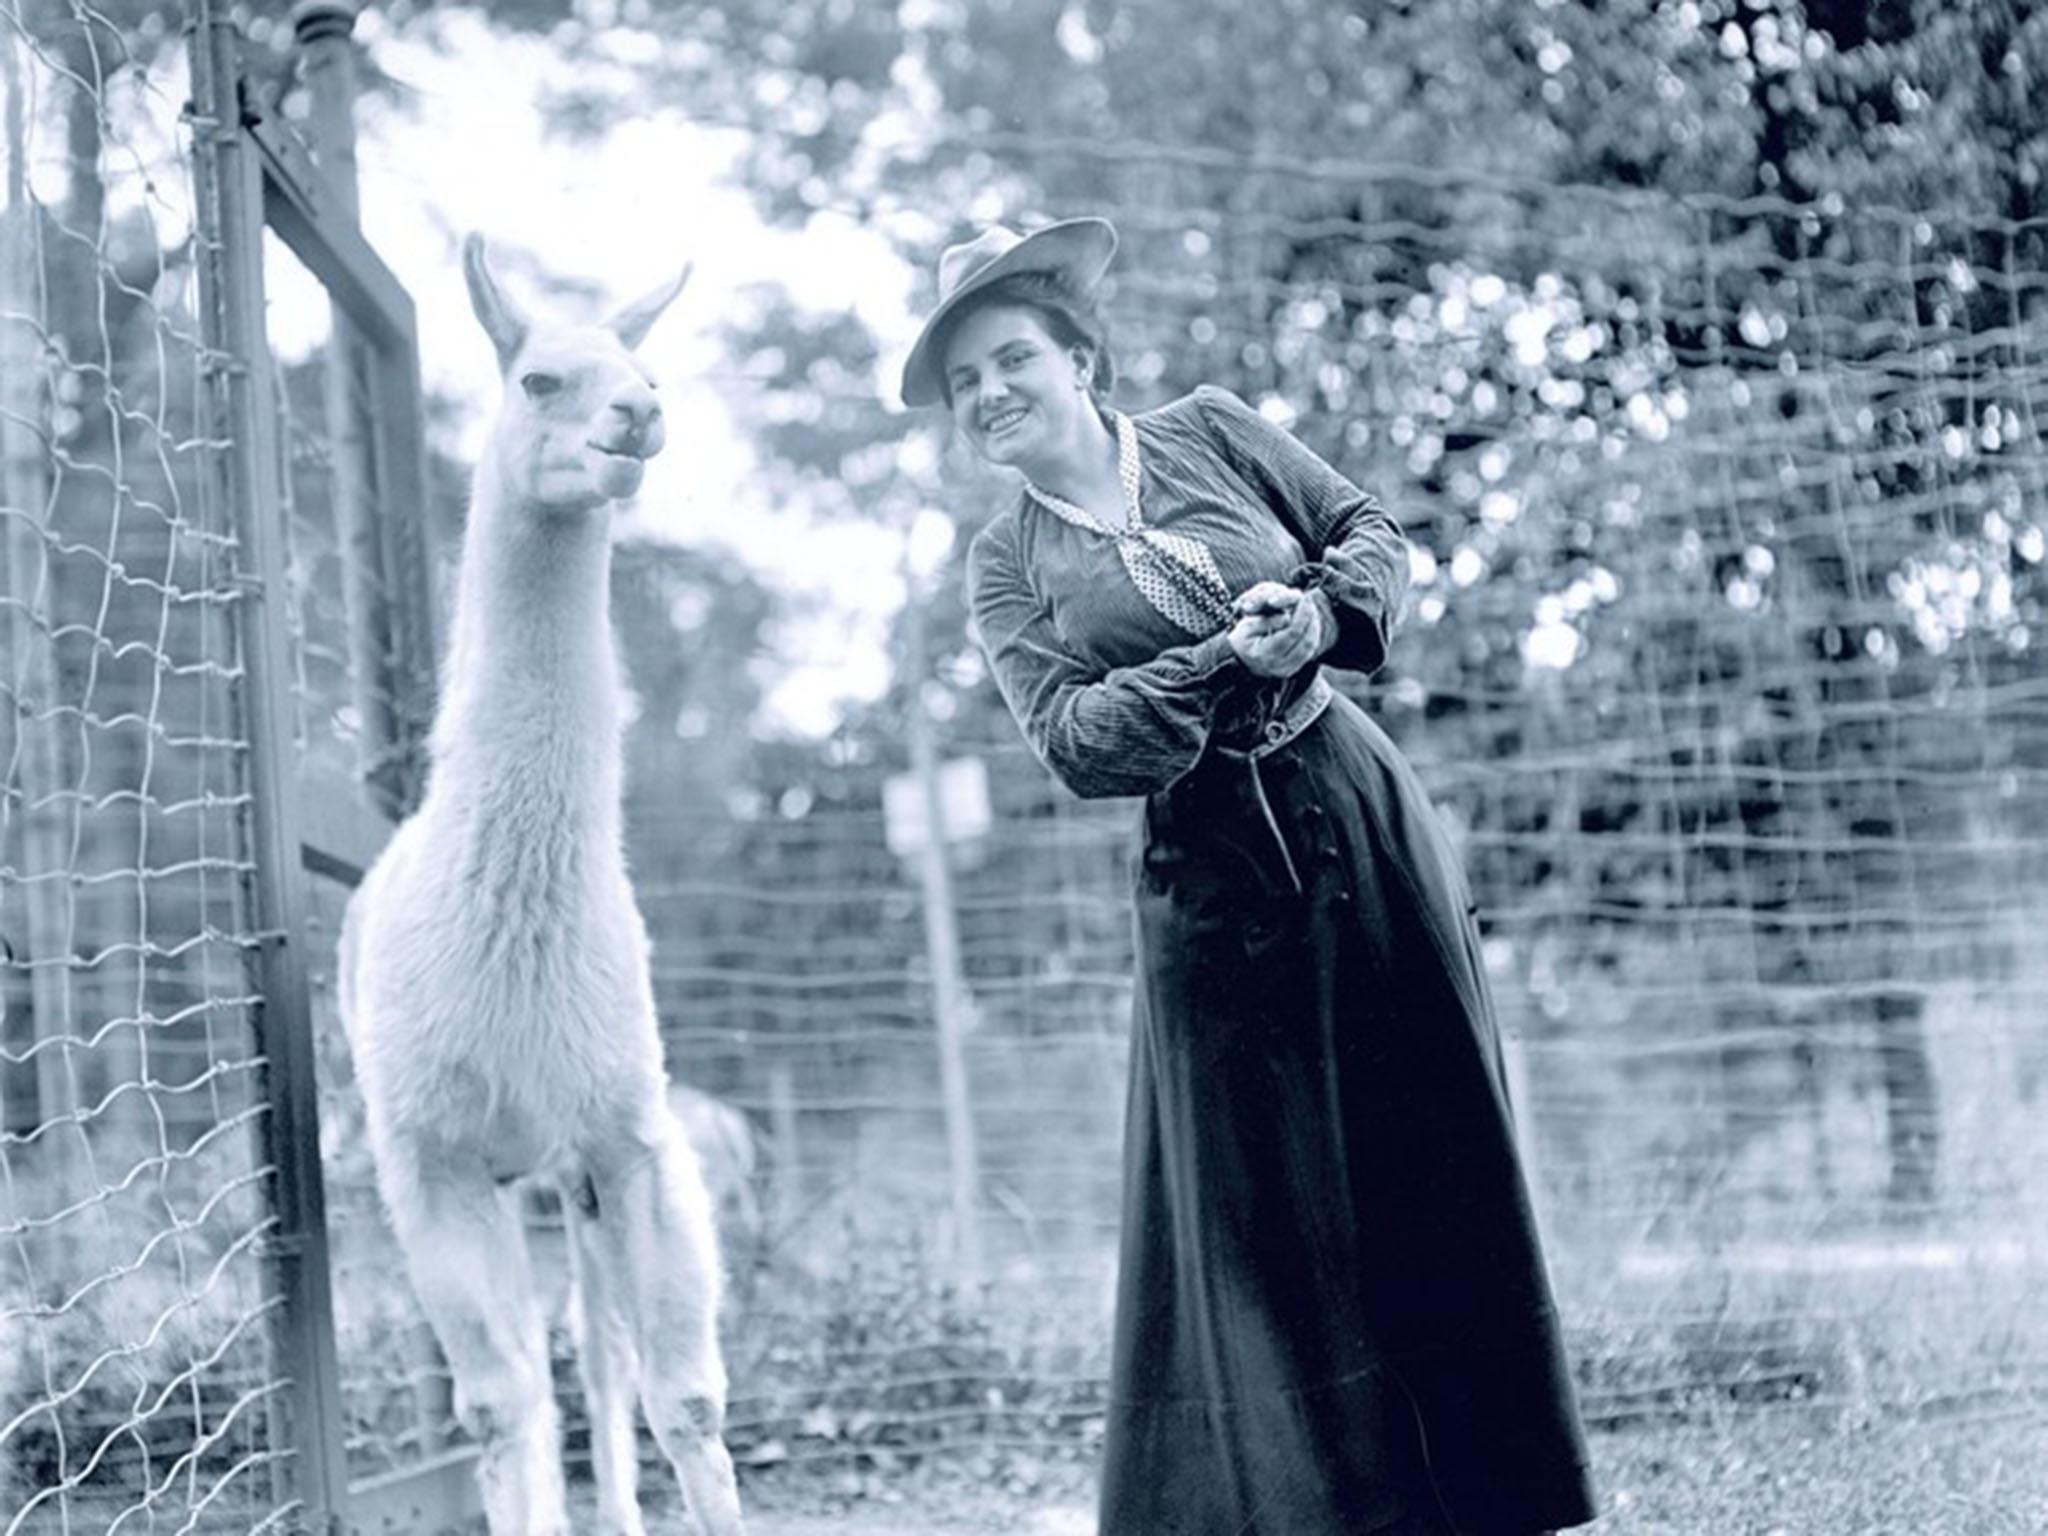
(1332, 1312)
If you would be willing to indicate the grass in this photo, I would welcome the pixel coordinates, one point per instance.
(1893, 1383)
(1771, 1473)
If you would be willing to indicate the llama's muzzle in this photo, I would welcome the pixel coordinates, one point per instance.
(637, 426)
(634, 436)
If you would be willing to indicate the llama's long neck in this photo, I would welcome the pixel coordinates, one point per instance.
(530, 712)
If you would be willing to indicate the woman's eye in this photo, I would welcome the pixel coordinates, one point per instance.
(539, 386)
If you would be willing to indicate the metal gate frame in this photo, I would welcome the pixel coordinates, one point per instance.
(253, 174)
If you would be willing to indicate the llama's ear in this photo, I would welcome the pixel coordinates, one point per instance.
(632, 323)
(502, 320)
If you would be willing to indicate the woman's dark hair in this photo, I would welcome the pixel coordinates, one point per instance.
(1069, 320)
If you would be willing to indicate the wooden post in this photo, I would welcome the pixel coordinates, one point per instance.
(786, 1194)
(942, 943)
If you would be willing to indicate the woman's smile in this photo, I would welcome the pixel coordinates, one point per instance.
(1001, 421)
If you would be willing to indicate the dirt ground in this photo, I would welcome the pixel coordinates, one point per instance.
(1077, 1521)
(1763, 1475)
(928, 1514)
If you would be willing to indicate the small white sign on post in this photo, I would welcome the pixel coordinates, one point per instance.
(963, 801)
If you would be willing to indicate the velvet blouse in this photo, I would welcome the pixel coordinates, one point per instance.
(1115, 698)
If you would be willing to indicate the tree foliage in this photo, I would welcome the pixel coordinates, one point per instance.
(1675, 331)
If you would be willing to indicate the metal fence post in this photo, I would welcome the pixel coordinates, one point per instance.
(390, 552)
(229, 181)
(27, 734)
(322, 30)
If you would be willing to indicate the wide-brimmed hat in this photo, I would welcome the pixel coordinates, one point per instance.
(1076, 250)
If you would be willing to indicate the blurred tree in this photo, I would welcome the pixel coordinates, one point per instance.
(689, 628)
(1407, 228)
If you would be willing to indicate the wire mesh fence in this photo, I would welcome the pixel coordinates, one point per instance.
(167, 1334)
(136, 1377)
(1722, 662)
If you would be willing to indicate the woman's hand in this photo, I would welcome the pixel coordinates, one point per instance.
(1280, 629)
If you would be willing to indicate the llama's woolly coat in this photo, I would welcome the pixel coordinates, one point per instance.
(510, 1004)
(571, 1041)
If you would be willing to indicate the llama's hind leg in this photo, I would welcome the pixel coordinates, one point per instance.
(654, 1222)
(607, 1362)
(466, 1252)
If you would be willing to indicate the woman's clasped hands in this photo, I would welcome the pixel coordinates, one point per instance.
(1279, 629)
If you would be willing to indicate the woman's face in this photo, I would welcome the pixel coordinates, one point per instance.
(1019, 397)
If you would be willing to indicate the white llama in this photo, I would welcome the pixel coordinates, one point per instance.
(493, 970)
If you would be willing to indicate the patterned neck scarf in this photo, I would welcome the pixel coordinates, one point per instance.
(1175, 574)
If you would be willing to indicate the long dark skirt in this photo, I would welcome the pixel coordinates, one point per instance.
(1332, 1314)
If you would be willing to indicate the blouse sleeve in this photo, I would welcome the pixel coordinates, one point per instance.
(1128, 731)
(1362, 564)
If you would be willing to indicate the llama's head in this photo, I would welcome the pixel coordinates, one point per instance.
(580, 419)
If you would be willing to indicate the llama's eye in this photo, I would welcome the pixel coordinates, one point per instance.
(539, 386)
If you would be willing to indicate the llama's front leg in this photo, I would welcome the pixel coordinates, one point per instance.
(466, 1252)
(607, 1362)
(654, 1224)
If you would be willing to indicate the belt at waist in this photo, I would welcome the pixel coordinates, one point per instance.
(1298, 717)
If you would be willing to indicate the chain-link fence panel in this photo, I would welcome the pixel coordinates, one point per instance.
(136, 1372)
